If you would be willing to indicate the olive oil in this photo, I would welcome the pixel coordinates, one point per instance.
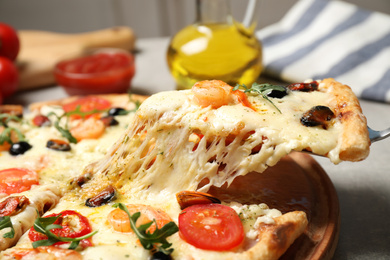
(224, 51)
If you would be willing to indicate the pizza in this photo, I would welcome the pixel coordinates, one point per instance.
(105, 177)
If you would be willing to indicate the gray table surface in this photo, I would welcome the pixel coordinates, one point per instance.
(363, 188)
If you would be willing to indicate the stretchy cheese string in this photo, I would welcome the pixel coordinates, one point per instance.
(155, 155)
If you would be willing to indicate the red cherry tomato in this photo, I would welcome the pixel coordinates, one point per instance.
(103, 72)
(9, 77)
(9, 42)
(41, 120)
(15, 180)
(73, 225)
(211, 226)
(87, 104)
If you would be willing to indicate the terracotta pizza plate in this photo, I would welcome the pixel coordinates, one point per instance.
(297, 182)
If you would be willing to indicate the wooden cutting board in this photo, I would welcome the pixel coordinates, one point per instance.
(41, 50)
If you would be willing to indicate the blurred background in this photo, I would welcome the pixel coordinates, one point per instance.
(148, 18)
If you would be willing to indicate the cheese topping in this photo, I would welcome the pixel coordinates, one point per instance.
(58, 166)
(158, 157)
(172, 144)
(253, 215)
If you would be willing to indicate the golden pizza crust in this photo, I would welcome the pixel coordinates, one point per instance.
(14, 110)
(354, 140)
(271, 243)
(275, 239)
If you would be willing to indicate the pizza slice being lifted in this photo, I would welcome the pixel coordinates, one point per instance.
(214, 133)
(180, 143)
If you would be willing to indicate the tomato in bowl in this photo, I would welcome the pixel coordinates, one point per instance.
(101, 72)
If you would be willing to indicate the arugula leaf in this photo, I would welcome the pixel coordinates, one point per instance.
(137, 104)
(262, 89)
(65, 132)
(82, 114)
(5, 136)
(44, 225)
(151, 241)
(5, 222)
(5, 118)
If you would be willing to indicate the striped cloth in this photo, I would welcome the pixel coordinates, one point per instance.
(319, 39)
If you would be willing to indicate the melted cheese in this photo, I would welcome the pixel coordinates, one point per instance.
(158, 156)
(57, 167)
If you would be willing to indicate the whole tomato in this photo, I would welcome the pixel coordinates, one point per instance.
(9, 42)
(1, 99)
(9, 77)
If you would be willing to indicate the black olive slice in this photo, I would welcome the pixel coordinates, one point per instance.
(160, 256)
(304, 87)
(318, 115)
(19, 148)
(109, 121)
(81, 180)
(101, 198)
(274, 93)
(116, 111)
(58, 145)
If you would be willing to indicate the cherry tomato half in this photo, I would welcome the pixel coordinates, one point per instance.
(73, 225)
(9, 77)
(15, 180)
(211, 226)
(87, 104)
(9, 42)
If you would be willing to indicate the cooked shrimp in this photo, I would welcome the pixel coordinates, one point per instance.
(91, 128)
(241, 97)
(214, 93)
(46, 252)
(119, 220)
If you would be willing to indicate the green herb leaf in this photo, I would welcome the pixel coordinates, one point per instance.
(136, 102)
(261, 89)
(6, 118)
(82, 114)
(5, 136)
(65, 132)
(151, 241)
(44, 225)
(5, 222)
